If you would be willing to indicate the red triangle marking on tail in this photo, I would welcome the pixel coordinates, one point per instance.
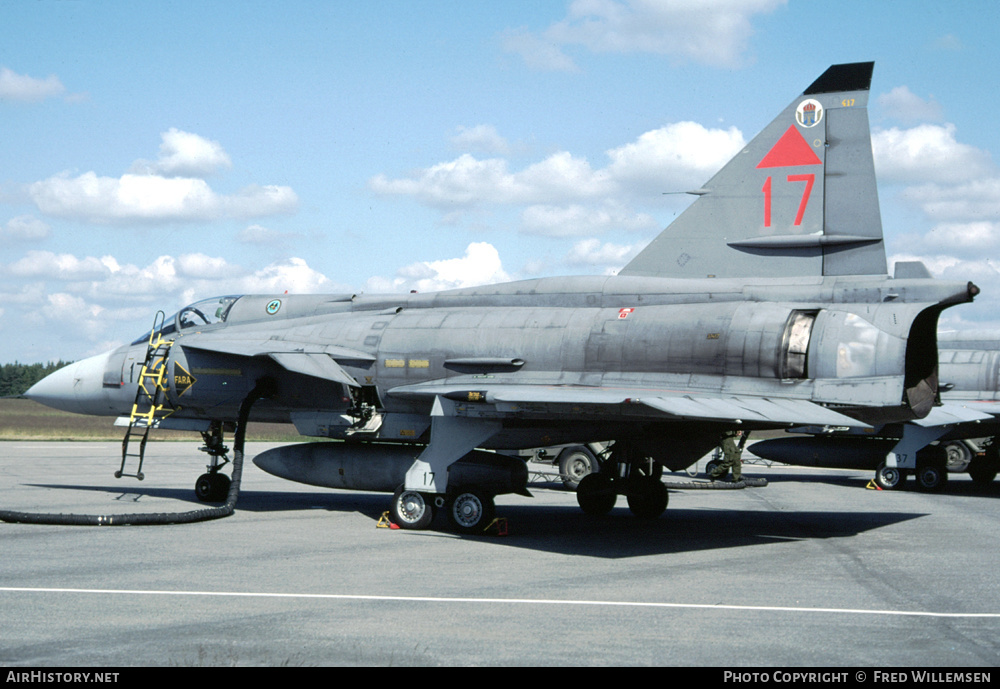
(790, 150)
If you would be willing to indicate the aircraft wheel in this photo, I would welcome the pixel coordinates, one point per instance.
(647, 498)
(470, 511)
(574, 464)
(889, 478)
(596, 494)
(212, 487)
(931, 478)
(959, 456)
(220, 487)
(410, 509)
(982, 472)
(710, 469)
(932, 469)
(203, 488)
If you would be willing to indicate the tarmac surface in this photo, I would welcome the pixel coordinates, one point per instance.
(812, 570)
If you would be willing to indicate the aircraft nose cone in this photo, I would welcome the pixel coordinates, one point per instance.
(77, 388)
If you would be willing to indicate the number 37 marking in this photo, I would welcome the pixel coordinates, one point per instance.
(809, 179)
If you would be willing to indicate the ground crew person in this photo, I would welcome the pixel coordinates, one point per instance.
(731, 453)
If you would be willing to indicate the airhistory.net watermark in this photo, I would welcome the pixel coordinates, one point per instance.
(40, 677)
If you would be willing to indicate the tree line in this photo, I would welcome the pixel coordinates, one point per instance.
(16, 378)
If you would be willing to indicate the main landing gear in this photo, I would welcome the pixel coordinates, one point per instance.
(931, 473)
(470, 511)
(632, 475)
(470, 507)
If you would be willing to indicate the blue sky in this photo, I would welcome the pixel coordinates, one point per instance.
(156, 153)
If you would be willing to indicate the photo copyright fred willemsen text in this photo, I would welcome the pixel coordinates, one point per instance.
(783, 676)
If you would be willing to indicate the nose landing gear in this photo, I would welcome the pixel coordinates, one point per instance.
(213, 486)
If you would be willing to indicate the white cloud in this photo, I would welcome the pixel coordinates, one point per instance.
(183, 154)
(612, 257)
(67, 307)
(903, 104)
(255, 201)
(562, 176)
(480, 265)
(49, 265)
(537, 52)
(74, 315)
(106, 279)
(131, 197)
(158, 280)
(187, 277)
(203, 267)
(563, 195)
(169, 189)
(482, 137)
(20, 87)
(152, 198)
(258, 234)
(928, 152)
(667, 158)
(970, 238)
(464, 180)
(471, 182)
(712, 32)
(102, 303)
(672, 156)
(971, 201)
(577, 220)
(954, 186)
(292, 275)
(25, 228)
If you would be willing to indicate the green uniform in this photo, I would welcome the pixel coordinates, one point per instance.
(731, 452)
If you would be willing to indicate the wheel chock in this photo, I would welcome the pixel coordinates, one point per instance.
(384, 522)
(497, 527)
(873, 486)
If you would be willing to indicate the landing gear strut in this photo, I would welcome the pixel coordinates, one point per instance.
(213, 486)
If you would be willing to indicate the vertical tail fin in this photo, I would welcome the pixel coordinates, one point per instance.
(799, 199)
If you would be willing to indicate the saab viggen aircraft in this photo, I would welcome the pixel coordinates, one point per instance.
(766, 304)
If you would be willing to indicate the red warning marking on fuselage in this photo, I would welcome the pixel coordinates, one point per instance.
(790, 150)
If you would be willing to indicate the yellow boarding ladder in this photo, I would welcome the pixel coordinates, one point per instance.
(151, 403)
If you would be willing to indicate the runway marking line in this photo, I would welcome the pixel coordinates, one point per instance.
(510, 601)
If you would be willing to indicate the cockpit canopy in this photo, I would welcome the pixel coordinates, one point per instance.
(204, 312)
(199, 314)
(250, 308)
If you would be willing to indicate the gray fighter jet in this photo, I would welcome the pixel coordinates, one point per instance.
(766, 304)
(958, 436)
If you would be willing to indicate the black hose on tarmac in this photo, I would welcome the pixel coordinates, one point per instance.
(718, 485)
(264, 388)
